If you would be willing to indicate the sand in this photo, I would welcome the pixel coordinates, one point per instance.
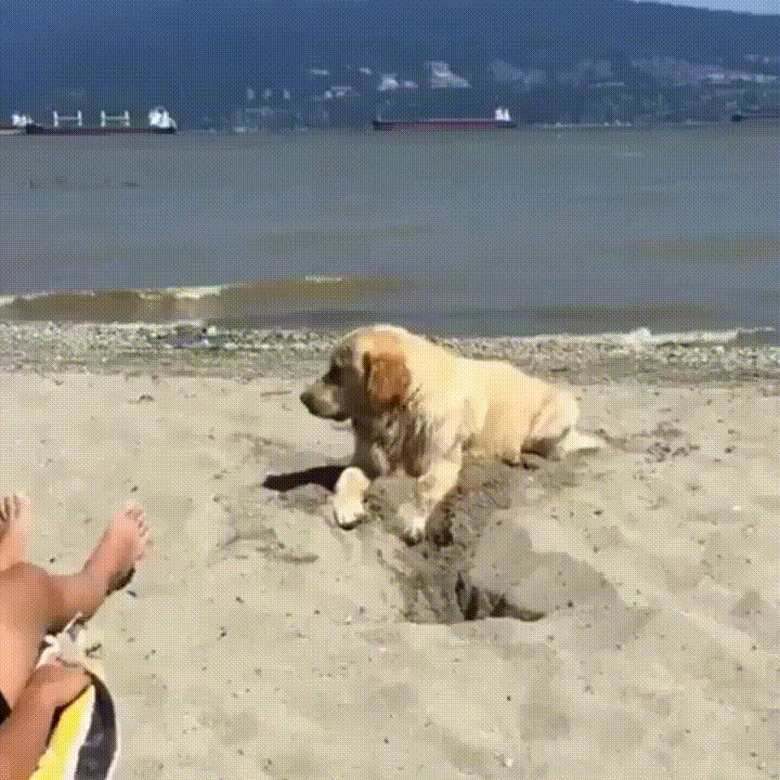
(625, 605)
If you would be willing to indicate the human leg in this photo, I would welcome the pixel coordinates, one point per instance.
(34, 603)
(14, 523)
(27, 596)
(25, 731)
(108, 568)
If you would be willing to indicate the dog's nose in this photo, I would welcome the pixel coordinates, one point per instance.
(306, 397)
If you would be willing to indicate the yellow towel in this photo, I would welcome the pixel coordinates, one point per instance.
(84, 742)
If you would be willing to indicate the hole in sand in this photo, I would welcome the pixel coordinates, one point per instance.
(473, 522)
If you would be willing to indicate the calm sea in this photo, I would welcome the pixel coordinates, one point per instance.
(506, 232)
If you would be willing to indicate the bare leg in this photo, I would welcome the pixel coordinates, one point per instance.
(34, 603)
(14, 523)
(25, 732)
(26, 597)
(108, 568)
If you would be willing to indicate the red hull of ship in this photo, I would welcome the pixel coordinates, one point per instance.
(40, 130)
(444, 124)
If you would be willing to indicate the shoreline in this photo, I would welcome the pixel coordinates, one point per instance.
(199, 349)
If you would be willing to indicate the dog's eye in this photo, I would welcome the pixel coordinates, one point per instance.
(333, 376)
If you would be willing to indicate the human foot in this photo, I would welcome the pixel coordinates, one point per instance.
(121, 546)
(15, 517)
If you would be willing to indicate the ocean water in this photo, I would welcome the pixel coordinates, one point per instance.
(484, 233)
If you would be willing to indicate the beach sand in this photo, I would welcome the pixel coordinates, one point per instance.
(257, 640)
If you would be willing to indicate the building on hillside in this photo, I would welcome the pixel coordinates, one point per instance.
(388, 82)
(440, 76)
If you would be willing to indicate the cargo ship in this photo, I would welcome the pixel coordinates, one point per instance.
(500, 121)
(770, 116)
(160, 121)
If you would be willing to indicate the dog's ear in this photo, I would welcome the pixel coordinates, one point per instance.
(387, 378)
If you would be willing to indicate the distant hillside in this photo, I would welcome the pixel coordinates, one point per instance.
(200, 57)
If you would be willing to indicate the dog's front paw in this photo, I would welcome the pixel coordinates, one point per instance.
(579, 442)
(412, 523)
(345, 513)
(347, 506)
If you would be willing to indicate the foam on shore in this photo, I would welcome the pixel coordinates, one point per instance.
(642, 337)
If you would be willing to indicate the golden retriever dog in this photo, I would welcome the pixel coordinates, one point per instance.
(416, 406)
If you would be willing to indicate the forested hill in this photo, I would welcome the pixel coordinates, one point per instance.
(193, 53)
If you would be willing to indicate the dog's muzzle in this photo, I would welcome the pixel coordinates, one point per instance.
(307, 399)
(321, 407)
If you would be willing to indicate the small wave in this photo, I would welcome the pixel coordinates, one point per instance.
(184, 293)
(59, 183)
(171, 304)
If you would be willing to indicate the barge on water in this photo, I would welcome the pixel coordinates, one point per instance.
(500, 121)
(160, 122)
(759, 116)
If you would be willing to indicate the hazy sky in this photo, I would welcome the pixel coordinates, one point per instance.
(749, 6)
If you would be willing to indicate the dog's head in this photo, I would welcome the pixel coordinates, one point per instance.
(368, 374)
